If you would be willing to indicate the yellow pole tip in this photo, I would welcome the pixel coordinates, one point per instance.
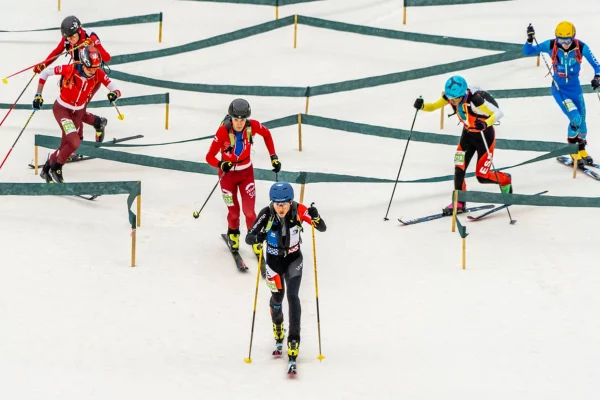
(247, 360)
(321, 357)
(5, 81)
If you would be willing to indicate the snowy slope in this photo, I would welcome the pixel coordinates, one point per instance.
(399, 318)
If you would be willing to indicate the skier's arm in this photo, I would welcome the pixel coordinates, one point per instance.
(266, 134)
(487, 107)
(215, 146)
(589, 56)
(530, 49)
(255, 233)
(311, 215)
(51, 57)
(441, 102)
(58, 70)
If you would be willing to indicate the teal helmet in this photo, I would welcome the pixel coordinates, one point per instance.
(455, 87)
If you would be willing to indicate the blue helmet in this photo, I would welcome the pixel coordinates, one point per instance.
(455, 87)
(281, 192)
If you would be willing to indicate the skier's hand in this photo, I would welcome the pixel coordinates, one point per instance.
(225, 166)
(419, 103)
(39, 68)
(275, 163)
(596, 82)
(530, 34)
(480, 125)
(261, 237)
(38, 101)
(313, 212)
(112, 97)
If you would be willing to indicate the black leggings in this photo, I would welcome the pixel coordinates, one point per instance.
(290, 270)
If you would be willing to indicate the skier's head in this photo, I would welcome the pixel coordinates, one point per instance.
(565, 34)
(70, 28)
(239, 111)
(90, 59)
(282, 195)
(455, 89)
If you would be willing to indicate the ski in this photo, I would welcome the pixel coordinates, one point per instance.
(569, 163)
(292, 368)
(90, 198)
(239, 261)
(85, 158)
(442, 215)
(493, 210)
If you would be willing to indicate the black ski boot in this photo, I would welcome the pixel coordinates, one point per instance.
(99, 125)
(45, 174)
(56, 172)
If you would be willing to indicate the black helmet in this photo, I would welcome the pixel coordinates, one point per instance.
(70, 26)
(240, 108)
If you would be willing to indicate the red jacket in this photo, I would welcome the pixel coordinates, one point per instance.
(77, 88)
(225, 143)
(83, 35)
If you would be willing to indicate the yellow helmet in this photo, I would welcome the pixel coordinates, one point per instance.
(565, 30)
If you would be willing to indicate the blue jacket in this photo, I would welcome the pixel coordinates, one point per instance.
(566, 66)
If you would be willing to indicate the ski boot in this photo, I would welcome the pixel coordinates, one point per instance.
(293, 347)
(56, 172)
(508, 188)
(99, 125)
(234, 239)
(279, 334)
(585, 157)
(45, 173)
(577, 159)
(460, 207)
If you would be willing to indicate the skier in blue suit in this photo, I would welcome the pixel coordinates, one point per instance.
(567, 53)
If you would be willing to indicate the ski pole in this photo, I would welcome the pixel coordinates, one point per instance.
(321, 356)
(248, 360)
(490, 157)
(18, 137)
(16, 101)
(120, 116)
(196, 214)
(401, 163)
(46, 62)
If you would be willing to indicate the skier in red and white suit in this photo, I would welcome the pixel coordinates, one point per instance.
(76, 90)
(234, 140)
(74, 37)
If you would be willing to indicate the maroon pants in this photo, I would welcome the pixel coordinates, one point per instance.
(72, 131)
(243, 181)
(89, 118)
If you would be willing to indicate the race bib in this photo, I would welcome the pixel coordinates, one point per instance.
(68, 126)
(459, 158)
(274, 283)
(569, 105)
(227, 198)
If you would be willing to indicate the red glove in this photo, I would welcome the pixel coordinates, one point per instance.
(39, 68)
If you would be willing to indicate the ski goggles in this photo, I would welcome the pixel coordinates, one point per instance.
(566, 41)
(282, 204)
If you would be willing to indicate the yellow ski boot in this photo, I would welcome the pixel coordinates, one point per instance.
(279, 334)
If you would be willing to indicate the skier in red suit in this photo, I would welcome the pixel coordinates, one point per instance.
(234, 140)
(78, 82)
(74, 38)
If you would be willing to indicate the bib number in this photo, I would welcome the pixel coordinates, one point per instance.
(228, 198)
(68, 126)
(459, 158)
(569, 105)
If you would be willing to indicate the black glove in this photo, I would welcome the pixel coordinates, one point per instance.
(480, 125)
(261, 237)
(275, 163)
(596, 82)
(112, 97)
(530, 33)
(313, 212)
(38, 101)
(419, 103)
(225, 166)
